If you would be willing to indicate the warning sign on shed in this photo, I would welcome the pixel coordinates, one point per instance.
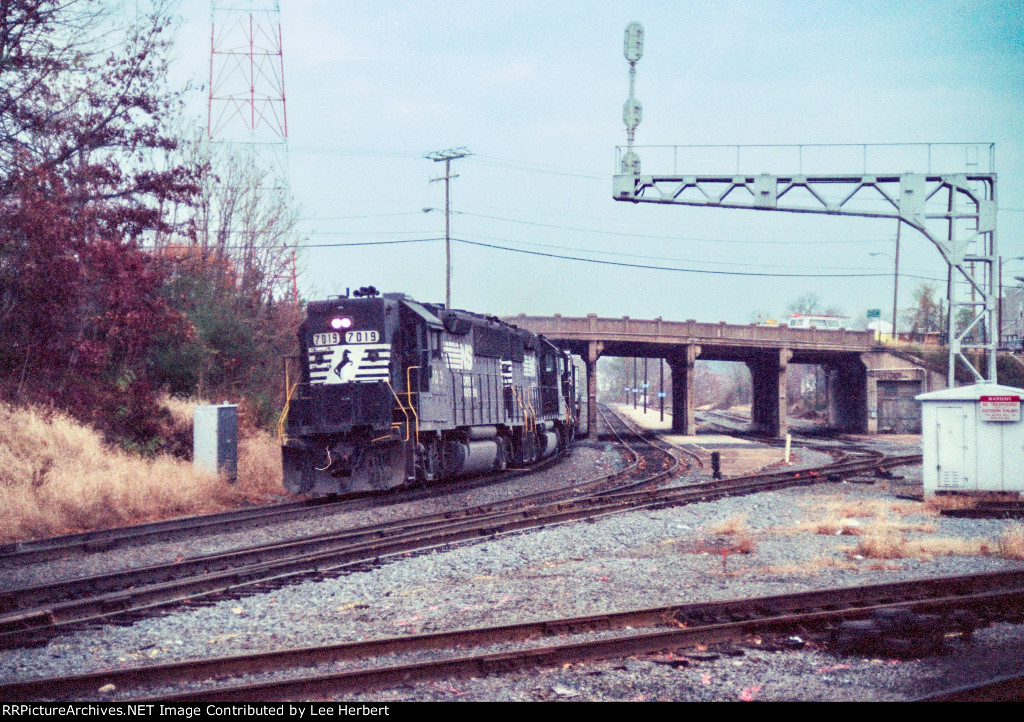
(1000, 408)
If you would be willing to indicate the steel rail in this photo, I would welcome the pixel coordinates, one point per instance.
(95, 598)
(691, 623)
(36, 595)
(22, 627)
(556, 655)
(28, 624)
(102, 540)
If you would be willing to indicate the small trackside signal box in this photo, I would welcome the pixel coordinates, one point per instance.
(215, 439)
(972, 439)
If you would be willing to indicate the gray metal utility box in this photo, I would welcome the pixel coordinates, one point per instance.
(972, 439)
(215, 439)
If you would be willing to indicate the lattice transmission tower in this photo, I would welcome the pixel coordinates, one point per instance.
(247, 109)
(247, 99)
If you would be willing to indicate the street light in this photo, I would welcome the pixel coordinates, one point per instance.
(895, 275)
(895, 280)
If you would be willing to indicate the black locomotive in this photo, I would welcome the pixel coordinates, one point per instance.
(395, 392)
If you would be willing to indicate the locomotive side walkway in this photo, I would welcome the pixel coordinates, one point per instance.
(869, 388)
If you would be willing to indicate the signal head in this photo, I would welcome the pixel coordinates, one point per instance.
(633, 47)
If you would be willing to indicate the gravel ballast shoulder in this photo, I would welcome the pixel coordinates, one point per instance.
(636, 559)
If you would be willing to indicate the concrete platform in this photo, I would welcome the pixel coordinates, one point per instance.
(738, 456)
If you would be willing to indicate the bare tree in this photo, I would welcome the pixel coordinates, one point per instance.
(810, 304)
(84, 98)
(243, 221)
(925, 316)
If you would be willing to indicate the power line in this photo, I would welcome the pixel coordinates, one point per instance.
(661, 238)
(682, 270)
(580, 259)
(665, 258)
(367, 215)
(537, 168)
(369, 243)
(376, 153)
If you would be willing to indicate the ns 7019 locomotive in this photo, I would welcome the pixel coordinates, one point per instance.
(394, 392)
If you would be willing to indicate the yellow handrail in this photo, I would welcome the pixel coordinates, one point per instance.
(529, 416)
(289, 391)
(408, 391)
(401, 407)
(519, 401)
(533, 413)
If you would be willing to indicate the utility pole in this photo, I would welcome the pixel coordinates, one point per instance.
(896, 278)
(447, 156)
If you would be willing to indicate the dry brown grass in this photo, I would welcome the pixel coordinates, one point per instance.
(1011, 543)
(882, 532)
(892, 545)
(57, 476)
(744, 544)
(733, 526)
(865, 509)
(885, 525)
(856, 518)
(883, 545)
(181, 410)
(808, 568)
(736, 526)
(885, 537)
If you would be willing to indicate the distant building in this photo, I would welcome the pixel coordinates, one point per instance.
(1013, 315)
(882, 329)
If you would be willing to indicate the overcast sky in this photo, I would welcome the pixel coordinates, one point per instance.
(535, 91)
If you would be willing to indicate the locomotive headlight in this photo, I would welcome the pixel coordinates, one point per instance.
(339, 323)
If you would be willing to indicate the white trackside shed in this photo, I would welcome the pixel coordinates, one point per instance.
(972, 439)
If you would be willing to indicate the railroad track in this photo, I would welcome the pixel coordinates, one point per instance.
(32, 614)
(983, 509)
(102, 540)
(442, 655)
(36, 613)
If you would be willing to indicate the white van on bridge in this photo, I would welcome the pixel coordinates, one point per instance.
(831, 323)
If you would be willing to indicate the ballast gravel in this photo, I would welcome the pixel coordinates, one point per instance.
(618, 562)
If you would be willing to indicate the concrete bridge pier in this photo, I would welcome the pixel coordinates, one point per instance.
(680, 364)
(594, 349)
(870, 388)
(768, 379)
(847, 396)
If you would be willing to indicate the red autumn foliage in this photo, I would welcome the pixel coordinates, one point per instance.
(79, 316)
(89, 321)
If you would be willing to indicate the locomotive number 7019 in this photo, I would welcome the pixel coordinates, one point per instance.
(362, 337)
(333, 339)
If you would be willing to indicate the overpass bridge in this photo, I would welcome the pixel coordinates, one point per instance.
(870, 389)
